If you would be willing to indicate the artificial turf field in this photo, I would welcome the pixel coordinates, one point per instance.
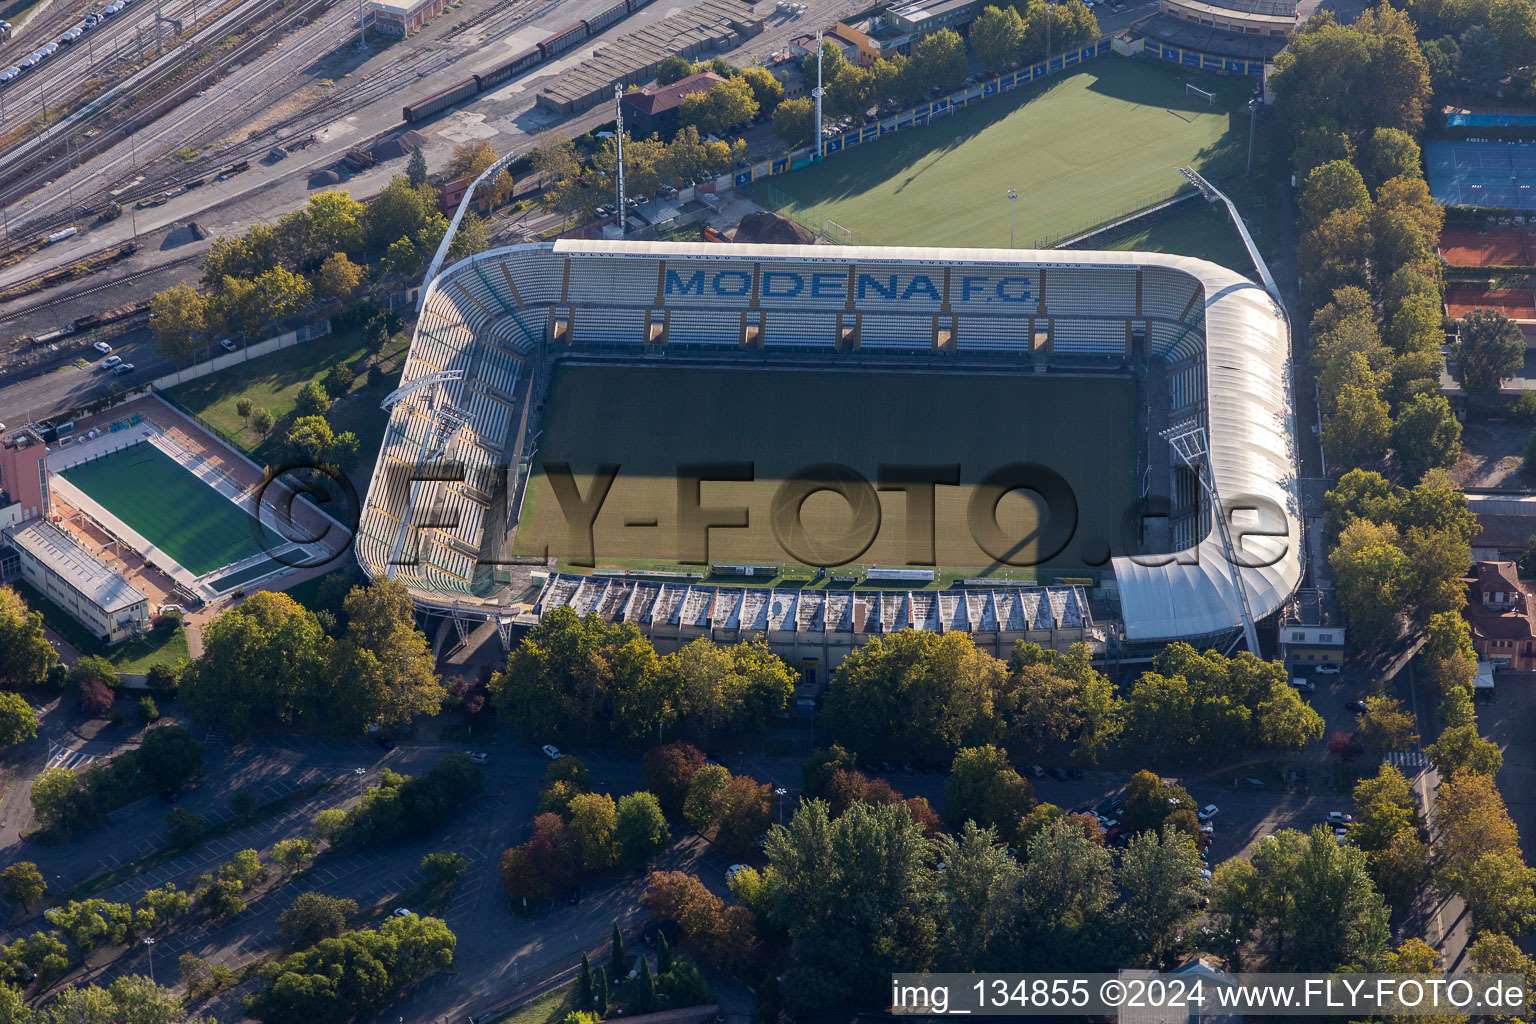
(172, 509)
(649, 420)
(1102, 142)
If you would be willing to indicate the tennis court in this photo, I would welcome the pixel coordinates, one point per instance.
(1496, 174)
(1495, 247)
(172, 509)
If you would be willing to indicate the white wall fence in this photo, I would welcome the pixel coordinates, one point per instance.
(308, 332)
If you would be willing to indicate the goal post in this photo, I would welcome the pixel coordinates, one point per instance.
(1210, 97)
(834, 231)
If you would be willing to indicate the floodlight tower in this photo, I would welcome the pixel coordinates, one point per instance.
(618, 147)
(821, 141)
(1189, 443)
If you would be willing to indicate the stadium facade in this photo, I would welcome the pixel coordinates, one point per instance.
(1211, 348)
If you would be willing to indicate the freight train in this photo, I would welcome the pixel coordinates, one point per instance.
(548, 48)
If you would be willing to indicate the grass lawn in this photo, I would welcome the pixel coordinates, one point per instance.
(549, 1008)
(273, 382)
(130, 656)
(1081, 150)
(786, 422)
(172, 509)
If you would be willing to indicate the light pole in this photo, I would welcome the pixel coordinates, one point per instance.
(1013, 197)
(779, 792)
(150, 944)
(1253, 116)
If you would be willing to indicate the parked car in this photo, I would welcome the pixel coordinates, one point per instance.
(1036, 771)
(550, 751)
(1057, 774)
(1254, 784)
(102, 347)
(731, 871)
(1208, 812)
(402, 912)
(1339, 818)
(887, 768)
(122, 368)
(1327, 669)
(1304, 685)
(111, 362)
(227, 345)
(1357, 706)
(478, 757)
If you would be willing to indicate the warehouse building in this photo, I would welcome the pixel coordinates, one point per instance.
(69, 576)
(402, 17)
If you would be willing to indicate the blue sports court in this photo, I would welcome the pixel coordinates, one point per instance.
(1498, 174)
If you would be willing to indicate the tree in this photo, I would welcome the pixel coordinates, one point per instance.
(25, 653)
(1358, 430)
(402, 210)
(996, 35)
(338, 380)
(1386, 726)
(1334, 186)
(767, 90)
(470, 159)
(913, 690)
(539, 867)
(722, 107)
(443, 867)
(672, 69)
(332, 221)
(1493, 953)
(1482, 59)
(1459, 748)
(1372, 575)
(389, 656)
(1448, 657)
(983, 787)
(94, 697)
(178, 317)
(1389, 153)
(640, 829)
(939, 59)
(183, 827)
(617, 961)
(18, 722)
(338, 277)
(314, 916)
(328, 825)
(261, 420)
(669, 771)
(794, 122)
(1426, 435)
(1328, 65)
(291, 854)
(592, 821)
(1488, 350)
(23, 883)
(1285, 722)
(1473, 822)
(1500, 891)
(312, 400)
(1159, 877)
(310, 438)
(416, 167)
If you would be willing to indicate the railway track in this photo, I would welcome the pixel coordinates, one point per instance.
(83, 293)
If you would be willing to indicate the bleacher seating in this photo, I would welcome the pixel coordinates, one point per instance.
(1097, 292)
(724, 284)
(612, 282)
(985, 333)
(593, 325)
(1186, 386)
(1088, 337)
(798, 286)
(800, 329)
(1165, 293)
(888, 288)
(903, 332)
(702, 327)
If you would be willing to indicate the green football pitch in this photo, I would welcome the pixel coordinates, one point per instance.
(172, 509)
(654, 423)
(1102, 142)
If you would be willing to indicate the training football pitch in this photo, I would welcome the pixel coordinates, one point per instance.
(172, 509)
(674, 432)
(1081, 150)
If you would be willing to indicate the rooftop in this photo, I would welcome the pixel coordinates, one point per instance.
(60, 553)
(1171, 29)
(20, 438)
(1312, 608)
(1285, 9)
(659, 98)
(922, 10)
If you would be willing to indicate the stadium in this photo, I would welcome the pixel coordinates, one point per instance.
(821, 444)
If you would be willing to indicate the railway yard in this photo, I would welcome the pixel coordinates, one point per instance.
(190, 134)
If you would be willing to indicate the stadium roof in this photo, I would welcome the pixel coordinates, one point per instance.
(1168, 28)
(72, 563)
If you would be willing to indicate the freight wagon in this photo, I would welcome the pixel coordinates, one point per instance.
(563, 40)
(426, 107)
